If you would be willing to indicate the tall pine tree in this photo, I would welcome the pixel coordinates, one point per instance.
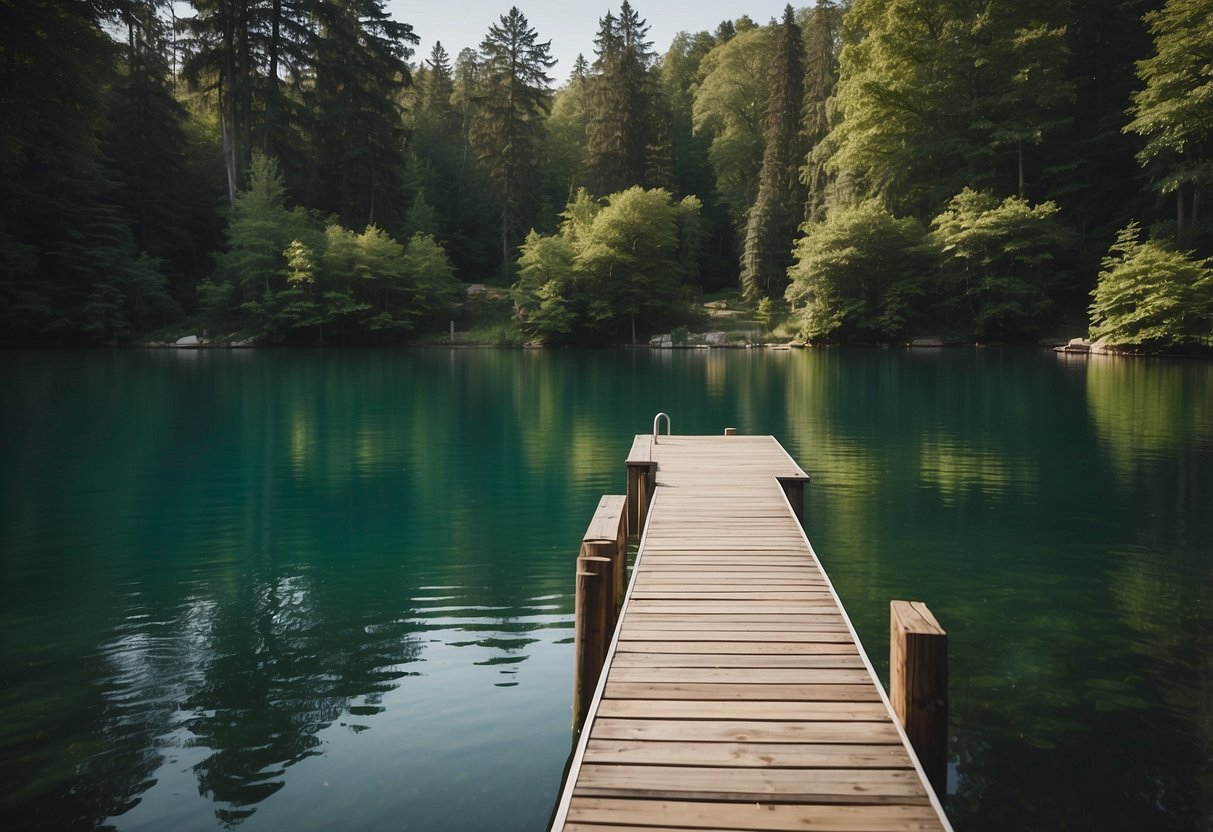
(513, 95)
(820, 78)
(779, 208)
(1175, 110)
(361, 67)
(628, 134)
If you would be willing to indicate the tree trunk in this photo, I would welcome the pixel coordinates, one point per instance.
(1179, 214)
(1195, 210)
(370, 218)
(1019, 152)
(271, 104)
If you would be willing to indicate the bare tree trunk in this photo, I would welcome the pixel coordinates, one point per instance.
(271, 104)
(370, 219)
(227, 109)
(1019, 149)
(1195, 208)
(229, 153)
(1179, 214)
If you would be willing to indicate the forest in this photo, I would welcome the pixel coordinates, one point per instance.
(292, 172)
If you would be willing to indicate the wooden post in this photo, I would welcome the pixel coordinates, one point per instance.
(794, 488)
(918, 686)
(601, 573)
(640, 482)
(590, 630)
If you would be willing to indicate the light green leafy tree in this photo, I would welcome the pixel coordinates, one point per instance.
(612, 271)
(430, 278)
(1152, 295)
(545, 274)
(930, 93)
(861, 275)
(729, 106)
(998, 263)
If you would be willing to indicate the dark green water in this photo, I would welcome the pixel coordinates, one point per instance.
(320, 590)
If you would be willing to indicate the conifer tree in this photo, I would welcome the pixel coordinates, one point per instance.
(628, 134)
(1175, 110)
(361, 66)
(778, 210)
(820, 78)
(513, 95)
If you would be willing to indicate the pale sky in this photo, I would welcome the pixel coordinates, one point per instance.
(570, 25)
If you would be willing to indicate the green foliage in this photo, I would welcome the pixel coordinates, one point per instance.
(545, 272)
(861, 275)
(612, 271)
(627, 130)
(928, 90)
(780, 203)
(820, 80)
(432, 277)
(1174, 112)
(999, 262)
(247, 276)
(564, 145)
(512, 94)
(729, 107)
(764, 313)
(1152, 295)
(285, 280)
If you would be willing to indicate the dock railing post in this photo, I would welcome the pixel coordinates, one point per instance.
(600, 587)
(590, 629)
(918, 686)
(641, 475)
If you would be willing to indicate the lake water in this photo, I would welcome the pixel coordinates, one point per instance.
(332, 589)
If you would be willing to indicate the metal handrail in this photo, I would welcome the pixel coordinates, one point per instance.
(669, 428)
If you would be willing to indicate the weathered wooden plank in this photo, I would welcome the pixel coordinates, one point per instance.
(763, 731)
(741, 709)
(726, 608)
(867, 786)
(692, 690)
(629, 633)
(754, 816)
(710, 624)
(744, 675)
(847, 659)
(716, 624)
(833, 645)
(748, 755)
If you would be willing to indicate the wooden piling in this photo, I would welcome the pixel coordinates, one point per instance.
(601, 583)
(641, 476)
(918, 685)
(794, 489)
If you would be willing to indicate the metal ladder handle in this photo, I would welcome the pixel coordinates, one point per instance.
(656, 422)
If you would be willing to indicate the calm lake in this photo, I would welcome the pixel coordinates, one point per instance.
(318, 590)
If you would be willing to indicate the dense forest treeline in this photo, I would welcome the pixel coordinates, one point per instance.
(290, 171)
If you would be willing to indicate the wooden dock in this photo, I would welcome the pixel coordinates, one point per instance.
(735, 694)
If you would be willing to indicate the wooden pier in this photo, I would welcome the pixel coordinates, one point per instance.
(734, 694)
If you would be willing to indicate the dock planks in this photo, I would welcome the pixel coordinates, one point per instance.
(736, 695)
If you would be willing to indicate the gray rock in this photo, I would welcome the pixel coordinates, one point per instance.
(247, 342)
(715, 339)
(189, 341)
(929, 341)
(662, 341)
